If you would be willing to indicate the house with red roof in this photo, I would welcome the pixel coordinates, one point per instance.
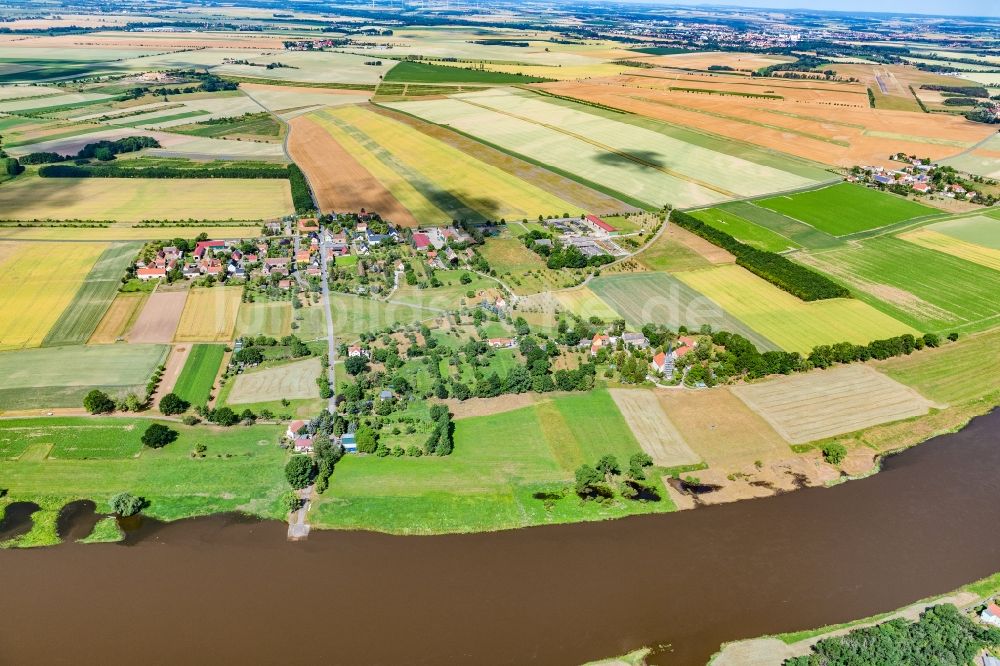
(664, 362)
(150, 273)
(293, 428)
(501, 343)
(308, 224)
(599, 340)
(991, 614)
(421, 241)
(304, 444)
(202, 246)
(599, 226)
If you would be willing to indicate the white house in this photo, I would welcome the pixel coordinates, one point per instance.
(991, 615)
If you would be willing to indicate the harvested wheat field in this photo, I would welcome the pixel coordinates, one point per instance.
(291, 381)
(338, 181)
(824, 403)
(209, 315)
(120, 316)
(158, 319)
(720, 429)
(652, 428)
(832, 129)
(747, 62)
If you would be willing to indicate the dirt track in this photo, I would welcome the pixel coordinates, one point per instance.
(338, 181)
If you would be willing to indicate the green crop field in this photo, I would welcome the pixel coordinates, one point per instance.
(978, 229)
(96, 458)
(198, 375)
(643, 298)
(424, 72)
(636, 163)
(79, 320)
(744, 230)
(955, 373)
(253, 124)
(929, 290)
(500, 463)
(846, 208)
(798, 232)
(61, 376)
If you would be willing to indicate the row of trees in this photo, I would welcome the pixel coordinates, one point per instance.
(775, 268)
(100, 150)
(272, 172)
(599, 480)
(302, 197)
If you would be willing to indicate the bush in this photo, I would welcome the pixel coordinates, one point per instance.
(300, 471)
(126, 505)
(98, 402)
(834, 453)
(172, 403)
(158, 435)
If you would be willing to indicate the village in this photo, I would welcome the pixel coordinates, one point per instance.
(924, 177)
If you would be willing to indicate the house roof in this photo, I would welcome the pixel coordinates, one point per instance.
(601, 224)
(659, 359)
(295, 426)
(685, 344)
(421, 240)
(993, 610)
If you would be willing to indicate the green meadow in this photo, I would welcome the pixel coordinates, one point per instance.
(512, 469)
(846, 208)
(198, 375)
(744, 230)
(423, 72)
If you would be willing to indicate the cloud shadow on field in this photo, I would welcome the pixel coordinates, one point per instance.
(633, 159)
(478, 208)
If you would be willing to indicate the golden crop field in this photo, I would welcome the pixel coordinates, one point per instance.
(934, 240)
(137, 199)
(209, 315)
(119, 318)
(793, 324)
(37, 282)
(810, 406)
(473, 188)
(123, 232)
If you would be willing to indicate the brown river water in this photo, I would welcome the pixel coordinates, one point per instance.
(230, 590)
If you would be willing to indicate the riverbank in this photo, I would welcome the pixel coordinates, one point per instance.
(773, 650)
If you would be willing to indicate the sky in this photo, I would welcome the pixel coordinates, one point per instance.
(950, 7)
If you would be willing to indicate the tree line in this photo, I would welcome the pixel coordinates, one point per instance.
(116, 171)
(301, 194)
(101, 150)
(780, 271)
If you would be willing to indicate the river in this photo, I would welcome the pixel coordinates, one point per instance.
(226, 589)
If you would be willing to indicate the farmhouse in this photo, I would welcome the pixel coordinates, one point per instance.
(634, 340)
(421, 241)
(150, 273)
(502, 343)
(355, 350)
(991, 615)
(308, 224)
(304, 443)
(599, 340)
(203, 246)
(293, 429)
(599, 226)
(664, 361)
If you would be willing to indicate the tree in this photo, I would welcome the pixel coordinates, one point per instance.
(355, 365)
(636, 464)
(126, 505)
(608, 466)
(366, 439)
(291, 501)
(172, 403)
(587, 480)
(300, 471)
(224, 416)
(98, 402)
(158, 435)
(834, 453)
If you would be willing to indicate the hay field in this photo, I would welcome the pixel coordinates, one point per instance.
(982, 160)
(656, 434)
(929, 290)
(22, 92)
(704, 59)
(338, 180)
(823, 403)
(720, 429)
(833, 129)
(61, 376)
(585, 303)
(119, 318)
(313, 67)
(194, 109)
(38, 281)
(266, 318)
(158, 318)
(209, 315)
(641, 164)
(678, 249)
(846, 208)
(955, 373)
(39, 103)
(79, 320)
(659, 298)
(138, 199)
(792, 324)
(984, 256)
(455, 183)
(745, 231)
(580, 197)
(122, 233)
(283, 100)
(292, 381)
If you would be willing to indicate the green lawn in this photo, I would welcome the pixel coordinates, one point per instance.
(95, 458)
(353, 315)
(928, 290)
(500, 462)
(198, 376)
(846, 208)
(745, 231)
(422, 72)
(61, 376)
(77, 322)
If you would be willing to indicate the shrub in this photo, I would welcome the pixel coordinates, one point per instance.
(126, 505)
(98, 402)
(158, 435)
(172, 403)
(300, 471)
(834, 453)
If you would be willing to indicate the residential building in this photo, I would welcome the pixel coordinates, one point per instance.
(293, 429)
(502, 343)
(991, 615)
